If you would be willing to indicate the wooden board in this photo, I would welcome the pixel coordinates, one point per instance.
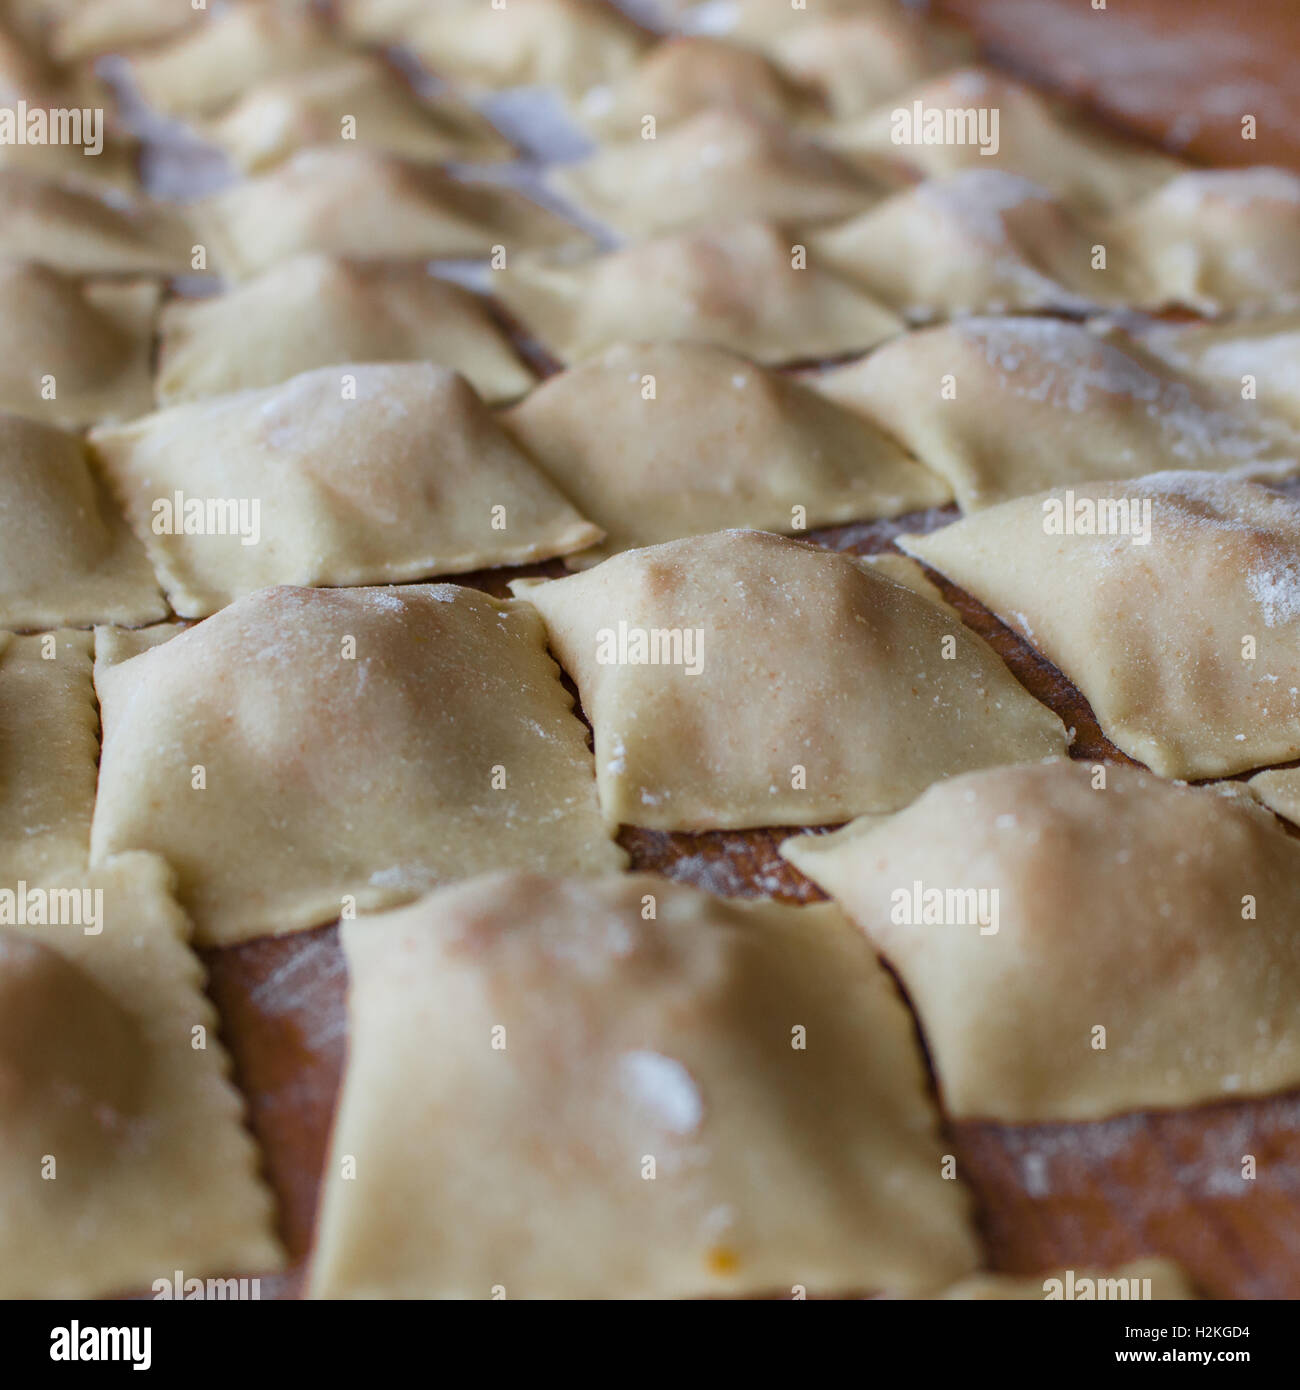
(1047, 1196)
(1181, 72)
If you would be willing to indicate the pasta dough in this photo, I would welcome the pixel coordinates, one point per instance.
(902, 569)
(651, 1102)
(736, 286)
(25, 69)
(49, 746)
(1258, 358)
(1217, 240)
(67, 558)
(569, 44)
(669, 440)
(716, 166)
(319, 311)
(113, 168)
(371, 206)
(856, 60)
(354, 747)
(981, 240)
(89, 28)
(27, 75)
(688, 74)
(111, 1067)
(1186, 644)
(343, 475)
(1083, 167)
(385, 21)
(800, 688)
(74, 228)
(1101, 941)
(1279, 790)
(1004, 407)
(199, 73)
(363, 96)
(774, 22)
(90, 344)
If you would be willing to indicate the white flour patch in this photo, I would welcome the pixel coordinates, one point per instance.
(664, 1088)
(1277, 591)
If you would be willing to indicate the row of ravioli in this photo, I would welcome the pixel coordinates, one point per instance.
(737, 204)
(726, 211)
(306, 754)
(393, 472)
(738, 679)
(555, 1087)
(746, 285)
(1215, 241)
(1207, 591)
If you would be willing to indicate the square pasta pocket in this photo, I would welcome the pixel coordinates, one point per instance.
(344, 475)
(626, 1088)
(742, 679)
(311, 752)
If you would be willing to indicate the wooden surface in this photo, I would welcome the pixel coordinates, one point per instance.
(1180, 72)
(1047, 1196)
